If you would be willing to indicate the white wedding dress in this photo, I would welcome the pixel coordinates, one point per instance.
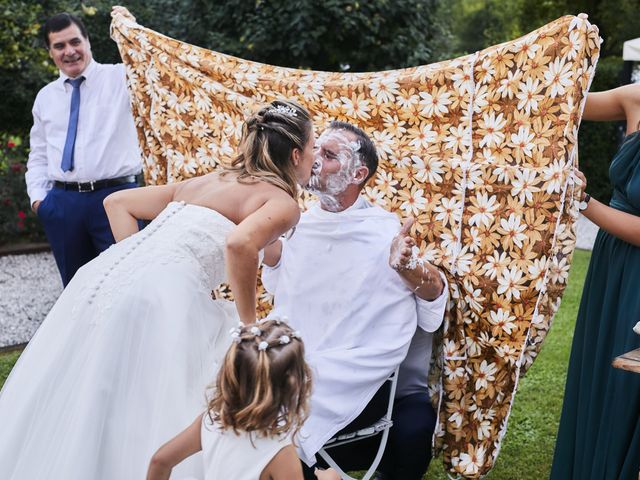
(121, 363)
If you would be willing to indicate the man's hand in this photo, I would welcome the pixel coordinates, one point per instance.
(401, 247)
(119, 10)
(35, 206)
(421, 277)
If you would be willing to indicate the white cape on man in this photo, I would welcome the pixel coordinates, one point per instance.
(350, 360)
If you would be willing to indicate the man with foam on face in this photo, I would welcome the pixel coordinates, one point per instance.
(346, 279)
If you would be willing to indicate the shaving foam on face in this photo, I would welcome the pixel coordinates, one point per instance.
(334, 146)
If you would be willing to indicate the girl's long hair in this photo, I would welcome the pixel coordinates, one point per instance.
(268, 140)
(263, 390)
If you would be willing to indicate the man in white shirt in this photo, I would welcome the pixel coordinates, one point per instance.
(347, 281)
(83, 146)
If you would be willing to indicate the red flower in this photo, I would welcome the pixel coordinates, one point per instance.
(11, 144)
(22, 215)
(16, 167)
(20, 224)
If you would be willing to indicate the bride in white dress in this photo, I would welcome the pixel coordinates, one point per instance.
(122, 361)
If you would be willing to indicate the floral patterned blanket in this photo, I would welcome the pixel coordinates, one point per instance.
(479, 148)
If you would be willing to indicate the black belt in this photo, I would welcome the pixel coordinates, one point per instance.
(97, 185)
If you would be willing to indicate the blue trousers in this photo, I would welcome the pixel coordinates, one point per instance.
(408, 451)
(76, 226)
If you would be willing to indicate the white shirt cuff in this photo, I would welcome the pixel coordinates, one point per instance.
(37, 195)
(431, 313)
(270, 276)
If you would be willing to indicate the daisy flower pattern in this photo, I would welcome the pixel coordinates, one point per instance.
(478, 149)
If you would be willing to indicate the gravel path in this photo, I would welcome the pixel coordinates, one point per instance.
(29, 286)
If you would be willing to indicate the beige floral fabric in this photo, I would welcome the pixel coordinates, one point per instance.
(479, 148)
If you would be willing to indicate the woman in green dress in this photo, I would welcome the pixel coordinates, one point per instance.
(599, 434)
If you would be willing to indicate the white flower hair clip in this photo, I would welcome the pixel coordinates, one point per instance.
(235, 334)
(285, 110)
(256, 331)
(263, 346)
(296, 334)
(284, 339)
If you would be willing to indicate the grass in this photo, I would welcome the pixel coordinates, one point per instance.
(527, 450)
(7, 360)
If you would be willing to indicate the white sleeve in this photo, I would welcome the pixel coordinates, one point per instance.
(431, 313)
(270, 276)
(37, 176)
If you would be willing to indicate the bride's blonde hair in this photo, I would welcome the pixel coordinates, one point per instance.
(268, 140)
(264, 383)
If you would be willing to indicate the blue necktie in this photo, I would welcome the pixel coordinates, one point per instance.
(70, 142)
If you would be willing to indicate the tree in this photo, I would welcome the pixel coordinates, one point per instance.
(330, 35)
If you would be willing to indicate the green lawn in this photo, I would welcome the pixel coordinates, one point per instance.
(527, 450)
(6, 364)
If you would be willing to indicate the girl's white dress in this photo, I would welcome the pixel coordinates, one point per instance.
(121, 363)
(240, 456)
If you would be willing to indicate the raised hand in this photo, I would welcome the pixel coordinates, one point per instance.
(119, 10)
(401, 247)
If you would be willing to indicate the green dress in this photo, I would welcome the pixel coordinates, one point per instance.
(599, 434)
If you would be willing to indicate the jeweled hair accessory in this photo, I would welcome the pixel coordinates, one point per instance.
(263, 345)
(235, 334)
(285, 110)
(256, 331)
(284, 339)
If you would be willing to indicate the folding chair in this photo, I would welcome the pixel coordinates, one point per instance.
(383, 425)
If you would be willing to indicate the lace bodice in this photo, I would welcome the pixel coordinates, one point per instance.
(184, 232)
(185, 243)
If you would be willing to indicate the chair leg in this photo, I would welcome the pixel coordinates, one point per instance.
(374, 465)
(327, 458)
(378, 458)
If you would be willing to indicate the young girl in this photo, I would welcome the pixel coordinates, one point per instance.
(259, 404)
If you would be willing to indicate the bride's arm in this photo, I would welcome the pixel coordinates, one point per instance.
(244, 243)
(125, 207)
